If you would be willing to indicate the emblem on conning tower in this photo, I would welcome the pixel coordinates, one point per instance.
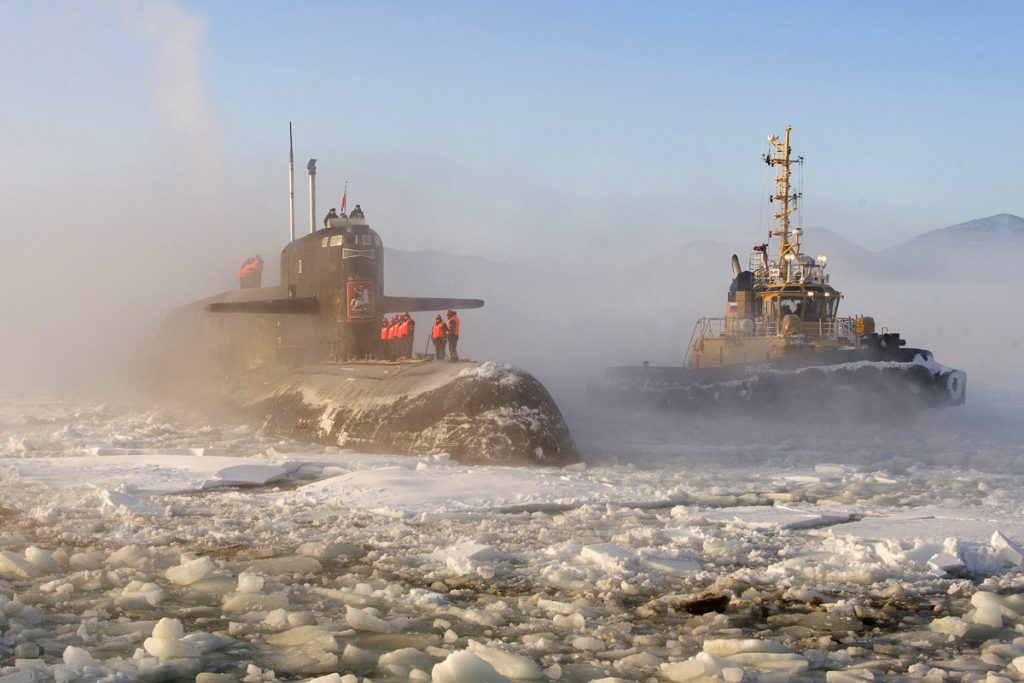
(360, 299)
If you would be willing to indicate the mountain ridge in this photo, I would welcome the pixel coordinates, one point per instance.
(978, 232)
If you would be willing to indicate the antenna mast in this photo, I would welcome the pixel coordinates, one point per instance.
(784, 201)
(291, 181)
(311, 167)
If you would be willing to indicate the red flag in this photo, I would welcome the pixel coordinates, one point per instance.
(344, 197)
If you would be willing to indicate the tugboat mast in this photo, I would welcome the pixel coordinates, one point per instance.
(785, 201)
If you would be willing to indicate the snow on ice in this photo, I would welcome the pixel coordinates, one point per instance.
(146, 547)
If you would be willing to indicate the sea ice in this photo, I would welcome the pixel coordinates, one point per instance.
(357, 659)
(15, 566)
(308, 636)
(325, 551)
(611, 557)
(168, 628)
(1009, 550)
(250, 475)
(168, 648)
(42, 559)
(248, 602)
(399, 663)
(128, 556)
(366, 620)
(465, 667)
(191, 571)
(249, 582)
(506, 663)
(76, 658)
(289, 564)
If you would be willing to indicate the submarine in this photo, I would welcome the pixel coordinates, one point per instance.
(783, 345)
(305, 358)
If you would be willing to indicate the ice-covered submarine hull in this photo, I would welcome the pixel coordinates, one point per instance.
(303, 358)
(478, 413)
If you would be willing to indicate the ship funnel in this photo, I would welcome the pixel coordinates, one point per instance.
(311, 167)
(736, 270)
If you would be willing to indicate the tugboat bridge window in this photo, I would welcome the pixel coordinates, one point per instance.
(791, 305)
(368, 240)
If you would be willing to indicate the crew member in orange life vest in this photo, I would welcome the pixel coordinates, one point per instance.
(439, 335)
(383, 355)
(392, 337)
(453, 335)
(396, 339)
(410, 335)
(402, 336)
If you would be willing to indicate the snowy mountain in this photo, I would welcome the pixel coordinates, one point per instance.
(1002, 228)
(976, 248)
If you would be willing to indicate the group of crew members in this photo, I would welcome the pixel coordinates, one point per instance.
(251, 272)
(397, 336)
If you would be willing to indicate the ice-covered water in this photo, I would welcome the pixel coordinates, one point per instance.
(142, 544)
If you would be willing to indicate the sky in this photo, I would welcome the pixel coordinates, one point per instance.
(145, 143)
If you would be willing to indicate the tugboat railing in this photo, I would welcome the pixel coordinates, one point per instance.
(839, 329)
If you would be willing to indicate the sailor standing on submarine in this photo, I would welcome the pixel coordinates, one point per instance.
(439, 335)
(453, 335)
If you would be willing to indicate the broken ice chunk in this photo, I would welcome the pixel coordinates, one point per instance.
(14, 566)
(168, 628)
(610, 557)
(288, 564)
(168, 648)
(463, 557)
(42, 559)
(359, 660)
(304, 636)
(366, 620)
(465, 666)
(189, 572)
(76, 658)
(400, 663)
(724, 647)
(249, 602)
(1009, 550)
(589, 644)
(128, 556)
(506, 663)
(944, 563)
(249, 582)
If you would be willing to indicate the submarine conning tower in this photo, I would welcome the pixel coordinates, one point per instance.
(342, 266)
(331, 299)
(335, 276)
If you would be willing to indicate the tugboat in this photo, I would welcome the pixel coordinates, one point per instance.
(305, 358)
(782, 341)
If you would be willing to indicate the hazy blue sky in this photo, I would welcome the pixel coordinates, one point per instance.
(524, 132)
(519, 130)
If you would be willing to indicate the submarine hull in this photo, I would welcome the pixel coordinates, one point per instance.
(252, 364)
(478, 413)
(839, 380)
